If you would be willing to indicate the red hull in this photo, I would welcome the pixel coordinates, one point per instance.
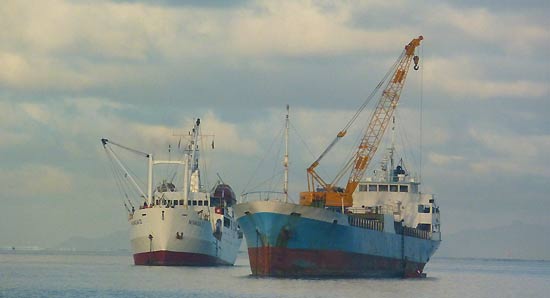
(171, 258)
(284, 262)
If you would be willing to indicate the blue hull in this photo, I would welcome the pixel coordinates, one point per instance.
(292, 245)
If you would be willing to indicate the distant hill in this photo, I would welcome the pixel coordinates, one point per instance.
(118, 240)
(516, 241)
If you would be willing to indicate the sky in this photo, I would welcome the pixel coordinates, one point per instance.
(138, 72)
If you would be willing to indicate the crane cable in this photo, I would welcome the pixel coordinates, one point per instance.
(276, 164)
(302, 139)
(118, 182)
(371, 95)
(175, 167)
(421, 107)
(204, 165)
(347, 165)
(261, 161)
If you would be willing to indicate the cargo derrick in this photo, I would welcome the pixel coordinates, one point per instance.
(323, 194)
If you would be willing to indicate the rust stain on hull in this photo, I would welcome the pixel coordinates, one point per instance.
(171, 258)
(285, 262)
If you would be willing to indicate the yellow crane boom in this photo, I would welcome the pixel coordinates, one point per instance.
(328, 194)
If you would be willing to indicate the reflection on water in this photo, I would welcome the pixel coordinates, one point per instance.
(41, 274)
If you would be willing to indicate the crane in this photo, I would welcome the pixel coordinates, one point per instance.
(328, 194)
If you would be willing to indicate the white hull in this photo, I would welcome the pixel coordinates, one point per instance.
(182, 236)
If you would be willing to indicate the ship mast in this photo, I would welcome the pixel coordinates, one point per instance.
(392, 151)
(149, 179)
(285, 162)
(194, 163)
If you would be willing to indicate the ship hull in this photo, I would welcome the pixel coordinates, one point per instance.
(286, 262)
(177, 258)
(289, 240)
(180, 237)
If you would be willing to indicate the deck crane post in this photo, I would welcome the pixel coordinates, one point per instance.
(328, 194)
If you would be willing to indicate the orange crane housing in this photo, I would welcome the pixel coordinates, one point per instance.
(328, 194)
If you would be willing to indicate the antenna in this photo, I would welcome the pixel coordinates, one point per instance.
(392, 150)
(219, 177)
(285, 162)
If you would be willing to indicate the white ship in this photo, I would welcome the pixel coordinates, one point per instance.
(173, 225)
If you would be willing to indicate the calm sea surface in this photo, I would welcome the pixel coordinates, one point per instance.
(24, 274)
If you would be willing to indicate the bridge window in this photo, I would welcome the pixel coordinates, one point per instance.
(200, 203)
(175, 202)
(424, 227)
(194, 203)
(404, 188)
(423, 209)
(372, 187)
(362, 187)
(382, 187)
(393, 188)
(181, 202)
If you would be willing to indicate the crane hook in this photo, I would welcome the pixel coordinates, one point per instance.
(416, 59)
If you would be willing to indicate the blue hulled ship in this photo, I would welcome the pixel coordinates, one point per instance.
(380, 226)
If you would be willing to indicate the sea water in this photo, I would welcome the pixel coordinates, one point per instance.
(56, 274)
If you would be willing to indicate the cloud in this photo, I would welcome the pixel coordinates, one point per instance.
(64, 27)
(36, 181)
(513, 155)
(529, 146)
(461, 77)
(443, 159)
(230, 137)
(69, 45)
(74, 45)
(47, 72)
(12, 133)
(306, 28)
(437, 135)
(71, 119)
(36, 112)
(517, 34)
(13, 67)
(10, 139)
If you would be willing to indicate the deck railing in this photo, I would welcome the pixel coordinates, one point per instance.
(381, 209)
(413, 232)
(365, 223)
(262, 196)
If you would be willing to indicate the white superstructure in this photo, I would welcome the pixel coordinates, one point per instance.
(394, 191)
